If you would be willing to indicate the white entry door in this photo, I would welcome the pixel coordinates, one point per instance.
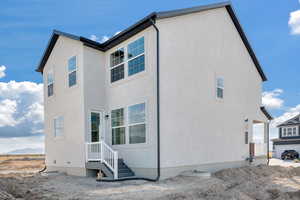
(97, 126)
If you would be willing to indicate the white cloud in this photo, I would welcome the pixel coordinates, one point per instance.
(21, 109)
(94, 38)
(294, 22)
(104, 38)
(7, 109)
(271, 100)
(2, 71)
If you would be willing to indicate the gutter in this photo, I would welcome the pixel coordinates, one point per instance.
(152, 21)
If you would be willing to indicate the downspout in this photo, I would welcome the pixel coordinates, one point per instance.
(158, 117)
(268, 142)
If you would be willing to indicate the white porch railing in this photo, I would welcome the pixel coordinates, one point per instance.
(260, 149)
(100, 151)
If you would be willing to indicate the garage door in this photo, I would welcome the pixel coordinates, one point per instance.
(279, 149)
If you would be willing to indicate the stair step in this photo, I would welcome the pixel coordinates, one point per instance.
(122, 175)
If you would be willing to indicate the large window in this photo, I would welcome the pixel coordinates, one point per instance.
(118, 126)
(220, 88)
(133, 127)
(50, 83)
(72, 71)
(290, 131)
(117, 65)
(132, 64)
(58, 126)
(136, 123)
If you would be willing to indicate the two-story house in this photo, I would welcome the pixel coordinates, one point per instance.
(289, 137)
(178, 90)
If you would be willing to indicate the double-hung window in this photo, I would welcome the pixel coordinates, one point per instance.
(220, 88)
(118, 126)
(117, 65)
(72, 71)
(123, 64)
(50, 83)
(290, 131)
(136, 56)
(137, 123)
(58, 126)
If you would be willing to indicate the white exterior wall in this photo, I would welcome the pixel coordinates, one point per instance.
(197, 128)
(135, 89)
(68, 150)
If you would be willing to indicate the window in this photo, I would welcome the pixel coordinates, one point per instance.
(50, 84)
(95, 123)
(72, 70)
(246, 138)
(136, 48)
(220, 88)
(134, 64)
(136, 54)
(289, 131)
(118, 126)
(117, 66)
(136, 123)
(58, 126)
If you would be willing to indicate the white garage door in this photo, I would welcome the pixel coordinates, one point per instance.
(279, 149)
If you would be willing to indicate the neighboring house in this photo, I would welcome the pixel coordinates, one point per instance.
(178, 90)
(289, 137)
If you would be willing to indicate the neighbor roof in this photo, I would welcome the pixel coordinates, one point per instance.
(145, 23)
(292, 121)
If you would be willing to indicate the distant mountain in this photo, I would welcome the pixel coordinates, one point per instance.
(27, 151)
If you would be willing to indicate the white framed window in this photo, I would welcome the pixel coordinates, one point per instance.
(137, 123)
(50, 83)
(72, 71)
(118, 126)
(132, 127)
(128, 60)
(220, 87)
(289, 131)
(117, 65)
(58, 126)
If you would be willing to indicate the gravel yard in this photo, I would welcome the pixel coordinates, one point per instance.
(246, 183)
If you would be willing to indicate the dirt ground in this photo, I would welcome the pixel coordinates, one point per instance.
(246, 183)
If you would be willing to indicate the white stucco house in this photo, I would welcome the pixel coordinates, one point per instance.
(288, 137)
(178, 90)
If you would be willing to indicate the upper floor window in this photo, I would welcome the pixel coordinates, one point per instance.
(134, 63)
(117, 65)
(220, 88)
(72, 71)
(58, 126)
(50, 83)
(289, 131)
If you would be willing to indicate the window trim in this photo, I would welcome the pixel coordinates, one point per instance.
(123, 126)
(63, 127)
(48, 84)
(74, 70)
(217, 87)
(126, 125)
(284, 131)
(127, 60)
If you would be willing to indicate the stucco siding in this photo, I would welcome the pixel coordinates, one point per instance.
(196, 127)
(136, 89)
(66, 150)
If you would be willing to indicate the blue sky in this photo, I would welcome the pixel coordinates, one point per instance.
(272, 27)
